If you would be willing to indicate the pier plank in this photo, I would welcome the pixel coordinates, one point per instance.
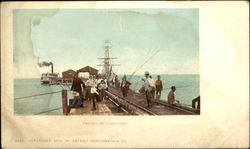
(141, 100)
(101, 109)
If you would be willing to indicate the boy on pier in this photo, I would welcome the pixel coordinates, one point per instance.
(159, 87)
(171, 96)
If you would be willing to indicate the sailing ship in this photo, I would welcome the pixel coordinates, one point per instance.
(107, 71)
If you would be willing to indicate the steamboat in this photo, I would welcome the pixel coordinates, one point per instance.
(50, 78)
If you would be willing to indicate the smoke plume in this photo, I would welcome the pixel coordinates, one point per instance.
(42, 64)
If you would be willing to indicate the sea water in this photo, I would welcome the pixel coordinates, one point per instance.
(26, 105)
(187, 88)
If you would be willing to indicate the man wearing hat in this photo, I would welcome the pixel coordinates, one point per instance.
(148, 88)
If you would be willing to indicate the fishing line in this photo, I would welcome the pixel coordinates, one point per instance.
(48, 111)
(149, 51)
(36, 95)
(143, 64)
(186, 104)
(179, 87)
(135, 85)
(62, 86)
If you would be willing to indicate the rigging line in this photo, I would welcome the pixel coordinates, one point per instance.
(48, 111)
(36, 95)
(143, 64)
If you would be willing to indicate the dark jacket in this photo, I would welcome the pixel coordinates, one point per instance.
(77, 85)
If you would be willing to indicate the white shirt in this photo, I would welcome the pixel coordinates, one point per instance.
(151, 82)
(93, 90)
(99, 81)
(123, 83)
(102, 86)
(148, 84)
(93, 84)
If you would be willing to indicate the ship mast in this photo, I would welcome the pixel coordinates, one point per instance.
(107, 65)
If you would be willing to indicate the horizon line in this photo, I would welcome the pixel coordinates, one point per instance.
(116, 74)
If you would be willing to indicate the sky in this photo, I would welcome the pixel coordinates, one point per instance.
(74, 38)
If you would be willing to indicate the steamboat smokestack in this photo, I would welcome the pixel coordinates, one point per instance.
(52, 69)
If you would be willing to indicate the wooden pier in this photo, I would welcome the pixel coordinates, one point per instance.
(101, 109)
(133, 104)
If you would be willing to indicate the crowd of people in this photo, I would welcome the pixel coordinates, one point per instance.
(93, 89)
(152, 89)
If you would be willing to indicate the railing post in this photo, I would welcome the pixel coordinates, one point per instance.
(65, 102)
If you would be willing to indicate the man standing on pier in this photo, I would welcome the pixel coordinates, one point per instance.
(116, 81)
(148, 88)
(152, 84)
(159, 87)
(125, 86)
(78, 85)
(92, 82)
(124, 79)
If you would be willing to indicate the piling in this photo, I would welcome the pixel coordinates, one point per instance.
(65, 102)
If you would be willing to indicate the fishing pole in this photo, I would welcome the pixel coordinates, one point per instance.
(143, 64)
(148, 53)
